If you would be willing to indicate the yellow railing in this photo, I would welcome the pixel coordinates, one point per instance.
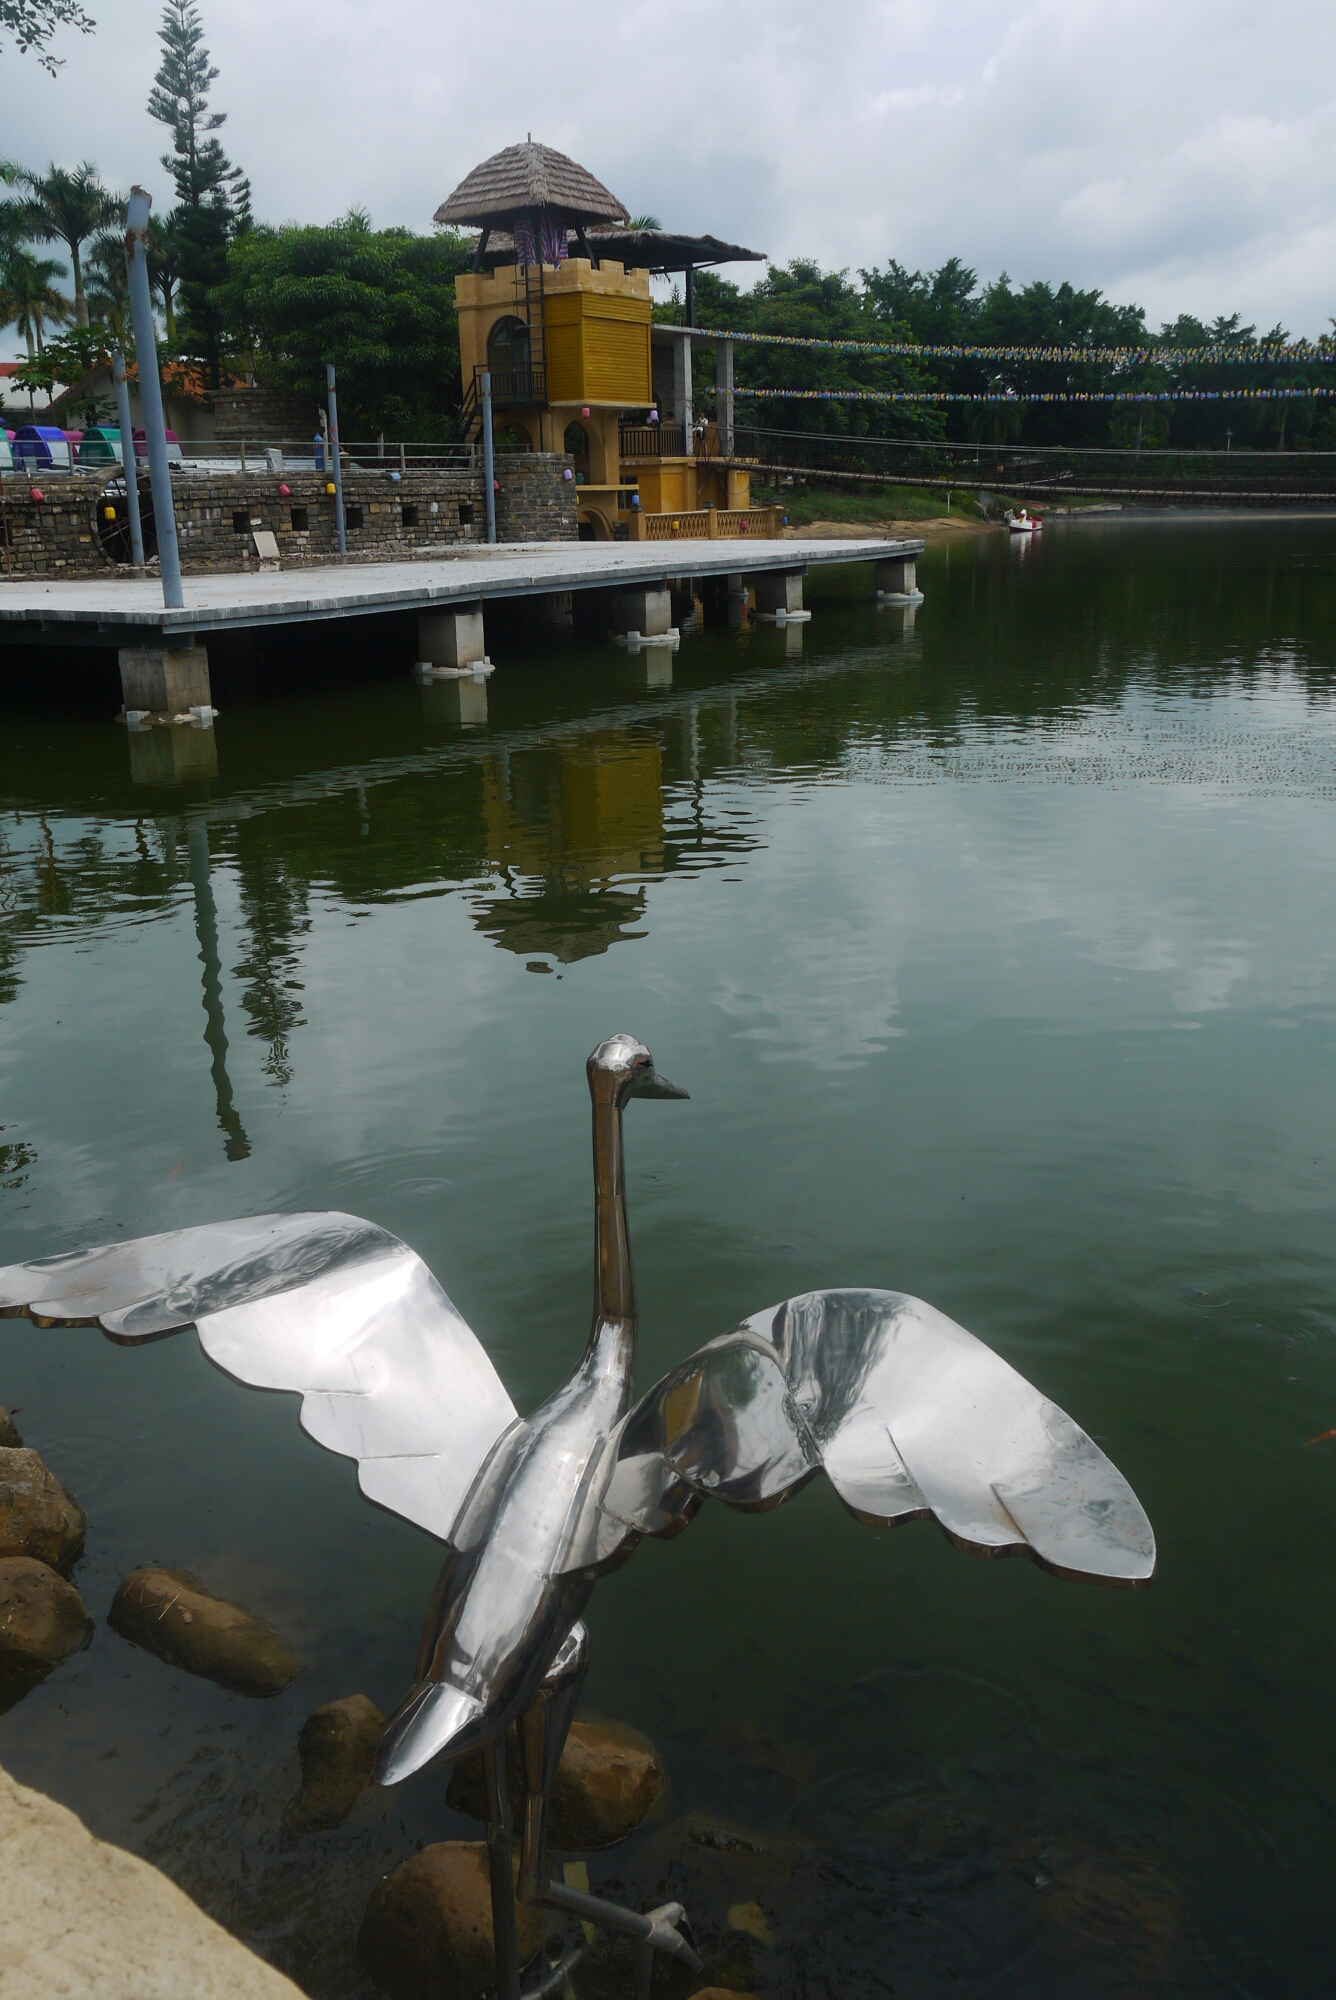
(706, 524)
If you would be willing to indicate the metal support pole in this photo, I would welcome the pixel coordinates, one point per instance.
(129, 463)
(488, 460)
(150, 395)
(337, 457)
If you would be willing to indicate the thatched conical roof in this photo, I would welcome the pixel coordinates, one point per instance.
(521, 178)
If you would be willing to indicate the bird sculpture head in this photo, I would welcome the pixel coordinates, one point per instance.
(622, 1068)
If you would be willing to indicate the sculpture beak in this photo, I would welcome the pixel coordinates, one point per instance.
(648, 1083)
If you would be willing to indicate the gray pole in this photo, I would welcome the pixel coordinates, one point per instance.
(488, 476)
(129, 463)
(150, 395)
(338, 464)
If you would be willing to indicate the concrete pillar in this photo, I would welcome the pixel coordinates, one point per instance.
(723, 377)
(682, 386)
(778, 590)
(452, 638)
(164, 680)
(645, 610)
(739, 600)
(895, 581)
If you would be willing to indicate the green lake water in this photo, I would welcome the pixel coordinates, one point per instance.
(998, 956)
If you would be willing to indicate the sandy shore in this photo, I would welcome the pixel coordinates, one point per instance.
(891, 531)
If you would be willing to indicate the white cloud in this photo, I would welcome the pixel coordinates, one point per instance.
(1179, 155)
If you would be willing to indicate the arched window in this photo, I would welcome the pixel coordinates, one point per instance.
(508, 359)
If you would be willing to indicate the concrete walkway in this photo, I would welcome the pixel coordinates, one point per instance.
(121, 607)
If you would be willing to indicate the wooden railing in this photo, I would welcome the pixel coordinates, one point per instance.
(707, 524)
(653, 441)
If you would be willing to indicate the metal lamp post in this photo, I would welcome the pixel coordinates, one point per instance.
(339, 519)
(129, 464)
(150, 395)
(488, 476)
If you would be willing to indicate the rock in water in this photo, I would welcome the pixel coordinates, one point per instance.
(37, 1516)
(427, 1931)
(42, 1621)
(337, 1747)
(9, 1437)
(170, 1613)
(606, 1785)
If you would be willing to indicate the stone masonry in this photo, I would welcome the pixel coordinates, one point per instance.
(426, 510)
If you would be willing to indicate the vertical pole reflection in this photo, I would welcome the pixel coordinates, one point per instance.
(237, 1145)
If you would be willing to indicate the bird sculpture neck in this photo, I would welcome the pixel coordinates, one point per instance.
(614, 1329)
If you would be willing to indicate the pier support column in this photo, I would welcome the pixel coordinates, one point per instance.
(164, 680)
(452, 638)
(645, 610)
(558, 611)
(779, 595)
(896, 582)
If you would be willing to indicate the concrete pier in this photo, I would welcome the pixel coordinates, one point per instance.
(646, 611)
(896, 581)
(779, 595)
(452, 638)
(164, 680)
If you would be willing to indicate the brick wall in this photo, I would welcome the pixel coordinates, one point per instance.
(261, 414)
(389, 518)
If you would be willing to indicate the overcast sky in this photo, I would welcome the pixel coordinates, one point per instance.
(1180, 154)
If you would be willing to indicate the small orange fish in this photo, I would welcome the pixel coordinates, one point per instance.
(1323, 1437)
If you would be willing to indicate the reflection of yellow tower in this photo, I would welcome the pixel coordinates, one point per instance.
(569, 826)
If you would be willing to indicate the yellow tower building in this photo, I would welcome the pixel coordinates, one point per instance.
(558, 310)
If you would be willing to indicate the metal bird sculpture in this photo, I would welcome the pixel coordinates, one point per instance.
(905, 1413)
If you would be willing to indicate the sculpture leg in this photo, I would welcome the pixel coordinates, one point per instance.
(542, 1731)
(505, 1937)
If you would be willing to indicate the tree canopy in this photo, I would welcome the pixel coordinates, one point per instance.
(31, 25)
(378, 303)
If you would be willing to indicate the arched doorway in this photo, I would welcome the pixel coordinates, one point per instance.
(510, 361)
(576, 441)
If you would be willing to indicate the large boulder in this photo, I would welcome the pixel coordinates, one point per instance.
(427, 1930)
(37, 1516)
(337, 1747)
(607, 1784)
(42, 1621)
(9, 1437)
(79, 1917)
(169, 1612)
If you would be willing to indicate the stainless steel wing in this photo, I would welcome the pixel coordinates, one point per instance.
(326, 1305)
(905, 1412)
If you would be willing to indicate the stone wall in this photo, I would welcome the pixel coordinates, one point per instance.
(53, 536)
(535, 504)
(389, 516)
(263, 415)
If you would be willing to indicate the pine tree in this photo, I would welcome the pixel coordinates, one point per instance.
(212, 196)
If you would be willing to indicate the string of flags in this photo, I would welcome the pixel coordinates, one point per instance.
(1038, 396)
(1254, 354)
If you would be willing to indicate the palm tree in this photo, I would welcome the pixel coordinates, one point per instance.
(68, 205)
(109, 284)
(644, 222)
(27, 296)
(164, 264)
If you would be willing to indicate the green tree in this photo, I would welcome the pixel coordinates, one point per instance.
(164, 266)
(67, 205)
(28, 297)
(212, 196)
(31, 24)
(379, 303)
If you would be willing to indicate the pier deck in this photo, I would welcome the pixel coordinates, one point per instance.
(122, 610)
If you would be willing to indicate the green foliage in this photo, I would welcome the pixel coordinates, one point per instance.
(212, 196)
(27, 295)
(31, 24)
(379, 304)
(66, 205)
(68, 358)
(802, 299)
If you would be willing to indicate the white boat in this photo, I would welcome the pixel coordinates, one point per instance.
(1024, 523)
